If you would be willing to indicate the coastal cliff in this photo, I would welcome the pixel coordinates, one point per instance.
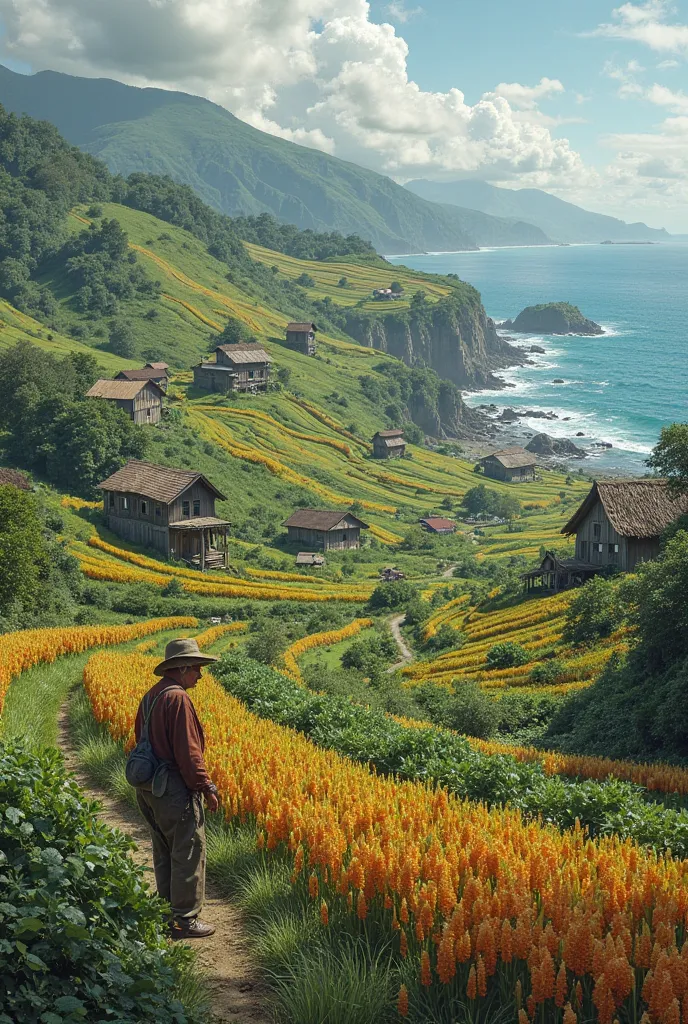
(454, 337)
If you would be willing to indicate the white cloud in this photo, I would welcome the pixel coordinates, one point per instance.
(318, 72)
(397, 11)
(666, 64)
(646, 23)
(663, 97)
(628, 86)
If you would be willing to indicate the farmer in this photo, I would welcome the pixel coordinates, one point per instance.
(173, 805)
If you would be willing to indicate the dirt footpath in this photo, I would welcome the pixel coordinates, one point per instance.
(236, 992)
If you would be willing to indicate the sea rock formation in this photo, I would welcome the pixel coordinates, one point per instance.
(454, 336)
(543, 444)
(552, 318)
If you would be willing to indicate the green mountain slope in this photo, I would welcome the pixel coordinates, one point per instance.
(561, 221)
(240, 170)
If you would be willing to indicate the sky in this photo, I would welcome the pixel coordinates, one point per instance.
(583, 98)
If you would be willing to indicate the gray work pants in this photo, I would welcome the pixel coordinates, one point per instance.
(177, 826)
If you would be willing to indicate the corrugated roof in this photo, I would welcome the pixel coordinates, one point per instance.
(320, 519)
(199, 523)
(512, 458)
(438, 523)
(300, 328)
(157, 482)
(635, 508)
(145, 373)
(121, 389)
(245, 353)
(390, 433)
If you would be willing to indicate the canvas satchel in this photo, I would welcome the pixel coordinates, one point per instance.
(143, 769)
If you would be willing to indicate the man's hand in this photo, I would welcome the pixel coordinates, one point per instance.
(212, 801)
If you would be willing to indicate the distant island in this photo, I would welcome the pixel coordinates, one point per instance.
(552, 318)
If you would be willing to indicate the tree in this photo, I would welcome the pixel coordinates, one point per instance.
(234, 332)
(343, 282)
(392, 595)
(22, 552)
(670, 456)
(478, 500)
(284, 375)
(122, 339)
(396, 287)
(267, 642)
(593, 613)
(506, 655)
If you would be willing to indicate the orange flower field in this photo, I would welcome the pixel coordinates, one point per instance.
(484, 905)
(325, 639)
(26, 648)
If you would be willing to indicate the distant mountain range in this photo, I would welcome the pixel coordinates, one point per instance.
(240, 170)
(560, 221)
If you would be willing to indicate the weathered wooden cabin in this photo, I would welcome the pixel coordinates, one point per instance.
(513, 465)
(555, 573)
(310, 558)
(620, 521)
(324, 529)
(438, 524)
(171, 510)
(157, 374)
(301, 338)
(244, 366)
(389, 444)
(140, 399)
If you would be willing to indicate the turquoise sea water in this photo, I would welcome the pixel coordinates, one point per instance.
(621, 387)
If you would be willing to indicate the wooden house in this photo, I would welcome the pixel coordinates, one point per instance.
(324, 529)
(555, 573)
(310, 558)
(620, 521)
(244, 366)
(140, 399)
(301, 338)
(157, 374)
(389, 444)
(513, 465)
(438, 524)
(171, 510)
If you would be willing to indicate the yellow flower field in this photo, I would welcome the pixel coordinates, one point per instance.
(325, 639)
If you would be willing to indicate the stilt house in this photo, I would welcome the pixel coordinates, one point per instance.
(140, 399)
(325, 530)
(301, 338)
(389, 444)
(244, 366)
(513, 465)
(171, 510)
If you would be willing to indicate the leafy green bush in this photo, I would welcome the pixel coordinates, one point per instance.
(446, 638)
(594, 612)
(80, 937)
(391, 595)
(438, 756)
(506, 655)
(546, 673)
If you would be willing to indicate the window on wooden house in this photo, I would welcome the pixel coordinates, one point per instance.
(125, 503)
(185, 508)
(112, 500)
(197, 506)
(598, 548)
(613, 549)
(251, 374)
(596, 530)
(584, 549)
(148, 413)
(144, 508)
(158, 511)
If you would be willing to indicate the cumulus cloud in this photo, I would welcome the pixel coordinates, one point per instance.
(646, 23)
(318, 72)
(397, 11)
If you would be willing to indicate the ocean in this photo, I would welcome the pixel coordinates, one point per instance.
(621, 387)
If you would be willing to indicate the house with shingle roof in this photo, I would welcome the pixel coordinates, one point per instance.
(301, 337)
(158, 374)
(140, 399)
(512, 465)
(325, 529)
(171, 510)
(389, 444)
(244, 366)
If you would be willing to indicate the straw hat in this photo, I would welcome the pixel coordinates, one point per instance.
(180, 653)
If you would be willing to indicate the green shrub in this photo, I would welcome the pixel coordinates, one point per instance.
(506, 655)
(594, 612)
(80, 937)
(546, 673)
(391, 595)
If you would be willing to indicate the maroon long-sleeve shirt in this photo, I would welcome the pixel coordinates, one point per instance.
(175, 733)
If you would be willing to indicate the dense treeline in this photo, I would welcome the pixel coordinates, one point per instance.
(52, 429)
(304, 245)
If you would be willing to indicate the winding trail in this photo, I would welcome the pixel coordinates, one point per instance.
(405, 651)
(235, 991)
